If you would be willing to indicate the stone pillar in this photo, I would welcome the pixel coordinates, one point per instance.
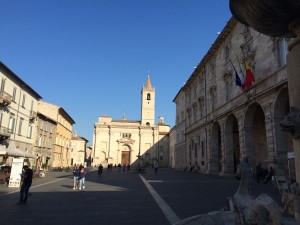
(270, 134)
(241, 118)
(293, 67)
(227, 150)
(212, 162)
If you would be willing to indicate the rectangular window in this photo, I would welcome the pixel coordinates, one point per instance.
(228, 90)
(29, 132)
(14, 94)
(23, 101)
(11, 124)
(31, 107)
(40, 141)
(50, 141)
(20, 126)
(213, 101)
(44, 141)
(283, 50)
(1, 116)
(127, 135)
(2, 84)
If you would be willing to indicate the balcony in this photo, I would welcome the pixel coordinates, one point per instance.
(5, 99)
(32, 115)
(4, 133)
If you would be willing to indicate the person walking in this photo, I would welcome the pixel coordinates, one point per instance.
(155, 167)
(271, 173)
(100, 169)
(27, 181)
(258, 172)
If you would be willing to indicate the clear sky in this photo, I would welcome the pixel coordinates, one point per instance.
(92, 57)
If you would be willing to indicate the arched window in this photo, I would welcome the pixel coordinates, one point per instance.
(148, 96)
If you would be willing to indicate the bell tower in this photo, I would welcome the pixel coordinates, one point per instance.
(148, 103)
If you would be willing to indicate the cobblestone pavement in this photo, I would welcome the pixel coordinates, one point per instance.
(121, 198)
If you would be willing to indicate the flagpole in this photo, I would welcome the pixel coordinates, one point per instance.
(240, 66)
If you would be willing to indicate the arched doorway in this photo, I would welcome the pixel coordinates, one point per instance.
(216, 150)
(283, 140)
(232, 144)
(125, 155)
(256, 148)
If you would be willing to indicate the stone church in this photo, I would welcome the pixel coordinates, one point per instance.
(132, 141)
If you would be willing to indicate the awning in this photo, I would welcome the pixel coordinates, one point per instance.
(16, 153)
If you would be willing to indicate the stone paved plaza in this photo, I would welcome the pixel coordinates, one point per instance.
(121, 198)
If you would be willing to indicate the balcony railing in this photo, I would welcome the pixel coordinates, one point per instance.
(4, 132)
(5, 99)
(32, 115)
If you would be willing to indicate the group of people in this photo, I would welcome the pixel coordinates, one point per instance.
(79, 173)
(261, 174)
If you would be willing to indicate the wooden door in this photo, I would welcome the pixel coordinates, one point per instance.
(125, 157)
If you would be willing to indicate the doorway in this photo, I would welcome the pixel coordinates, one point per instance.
(125, 157)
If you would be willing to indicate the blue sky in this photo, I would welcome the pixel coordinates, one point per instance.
(92, 57)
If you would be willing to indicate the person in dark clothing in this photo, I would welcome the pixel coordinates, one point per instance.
(100, 169)
(27, 181)
(271, 173)
(76, 173)
(258, 172)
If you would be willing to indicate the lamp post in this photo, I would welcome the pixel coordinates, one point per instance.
(118, 156)
(279, 18)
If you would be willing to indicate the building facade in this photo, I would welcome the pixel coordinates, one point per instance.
(44, 142)
(61, 156)
(132, 142)
(78, 146)
(18, 110)
(219, 122)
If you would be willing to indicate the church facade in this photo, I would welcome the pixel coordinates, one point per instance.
(132, 141)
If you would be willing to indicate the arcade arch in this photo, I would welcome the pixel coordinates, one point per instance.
(256, 148)
(283, 140)
(232, 144)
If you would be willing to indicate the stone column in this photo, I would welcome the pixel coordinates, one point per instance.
(241, 118)
(293, 66)
(270, 134)
(211, 160)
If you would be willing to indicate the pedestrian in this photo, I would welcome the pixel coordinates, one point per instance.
(128, 167)
(155, 167)
(76, 173)
(27, 181)
(258, 172)
(100, 169)
(82, 178)
(270, 175)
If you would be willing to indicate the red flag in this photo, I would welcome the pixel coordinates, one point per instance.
(249, 78)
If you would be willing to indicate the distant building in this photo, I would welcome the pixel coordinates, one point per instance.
(61, 151)
(18, 110)
(132, 141)
(88, 156)
(78, 147)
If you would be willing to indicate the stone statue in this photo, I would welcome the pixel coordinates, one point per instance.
(260, 210)
(291, 123)
(242, 208)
